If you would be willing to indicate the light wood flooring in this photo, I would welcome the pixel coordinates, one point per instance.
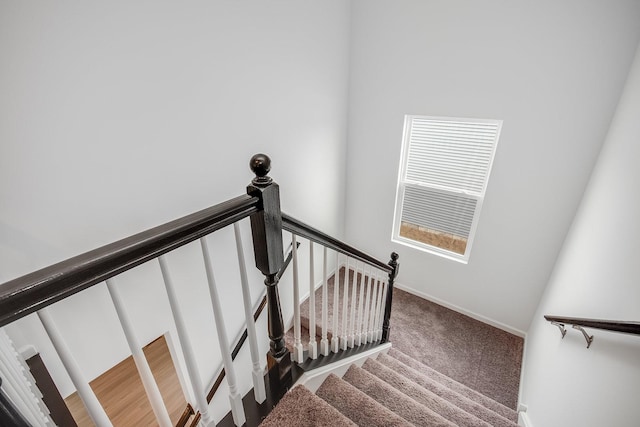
(121, 393)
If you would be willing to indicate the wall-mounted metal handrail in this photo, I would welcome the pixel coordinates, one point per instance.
(606, 325)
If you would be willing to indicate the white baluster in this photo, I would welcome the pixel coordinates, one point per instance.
(358, 330)
(235, 398)
(298, 351)
(383, 300)
(148, 381)
(352, 319)
(19, 385)
(258, 379)
(185, 344)
(374, 309)
(324, 342)
(313, 345)
(86, 394)
(367, 307)
(335, 334)
(378, 316)
(345, 306)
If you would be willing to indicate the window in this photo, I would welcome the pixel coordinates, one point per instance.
(444, 169)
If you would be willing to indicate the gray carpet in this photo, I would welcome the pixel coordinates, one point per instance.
(480, 356)
(387, 392)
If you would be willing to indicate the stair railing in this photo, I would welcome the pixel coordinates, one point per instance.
(362, 288)
(36, 291)
(580, 323)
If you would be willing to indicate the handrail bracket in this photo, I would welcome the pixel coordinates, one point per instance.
(587, 337)
(560, 326)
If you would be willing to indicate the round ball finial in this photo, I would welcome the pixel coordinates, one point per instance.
(394, 256)
(260, 164)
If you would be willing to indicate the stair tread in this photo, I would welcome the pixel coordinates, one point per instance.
(356, 405)
(393, 399)
(300, 407)
(470, 393)
(442, 406)
(389, 368)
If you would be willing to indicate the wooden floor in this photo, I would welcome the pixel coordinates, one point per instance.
(122, 395)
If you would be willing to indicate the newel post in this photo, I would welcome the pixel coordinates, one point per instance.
(395, 268)
(266, 228)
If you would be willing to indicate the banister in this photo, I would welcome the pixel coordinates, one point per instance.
(301, 229)
(606, 325)
(34, 291)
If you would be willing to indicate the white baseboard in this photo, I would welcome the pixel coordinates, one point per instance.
(314, 379)
(454, 307)
(523, 420)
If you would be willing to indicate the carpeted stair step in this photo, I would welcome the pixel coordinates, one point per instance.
(393, 399)
(389, 369)
(442, 406)
(470, 393)
(384, 392)
(357, 406)
(300, 407)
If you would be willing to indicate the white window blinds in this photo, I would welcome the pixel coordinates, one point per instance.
(443, 175)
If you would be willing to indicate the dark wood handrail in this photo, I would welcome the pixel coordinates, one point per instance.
(607, 325)
(41, 288)
(301, 229)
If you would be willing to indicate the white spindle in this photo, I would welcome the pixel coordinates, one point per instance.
(148, 381)
(298, 351)
(185, 344)
(335, 334)
(358, 330)
(376, 326)
(352, 317)
(258, 379)
(367, 307)
(383, 302)
(313, 345)
(324, 342)
(345, 305)
(19, 385)
(88, 397)
(374, 309)
(235, 398)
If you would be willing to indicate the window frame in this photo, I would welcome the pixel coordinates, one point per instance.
(403, 183)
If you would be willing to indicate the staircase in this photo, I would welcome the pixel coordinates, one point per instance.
(391, 390)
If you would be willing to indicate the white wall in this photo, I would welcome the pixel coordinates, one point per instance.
(596, 276)
(553, 71)
(119, 116)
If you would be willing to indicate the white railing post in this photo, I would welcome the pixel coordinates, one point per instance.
(185, 344)
(358, 330)
(352, 317)
(235, 399)
(374, 309)
(86, 394)
(345, 305)
(258, 379)
(367, 307)
(148, 381)
(19, 385)
(335, 334)
(298, 351)
(383, 298)
(378, 309)
(313, 345)
(324, 342)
